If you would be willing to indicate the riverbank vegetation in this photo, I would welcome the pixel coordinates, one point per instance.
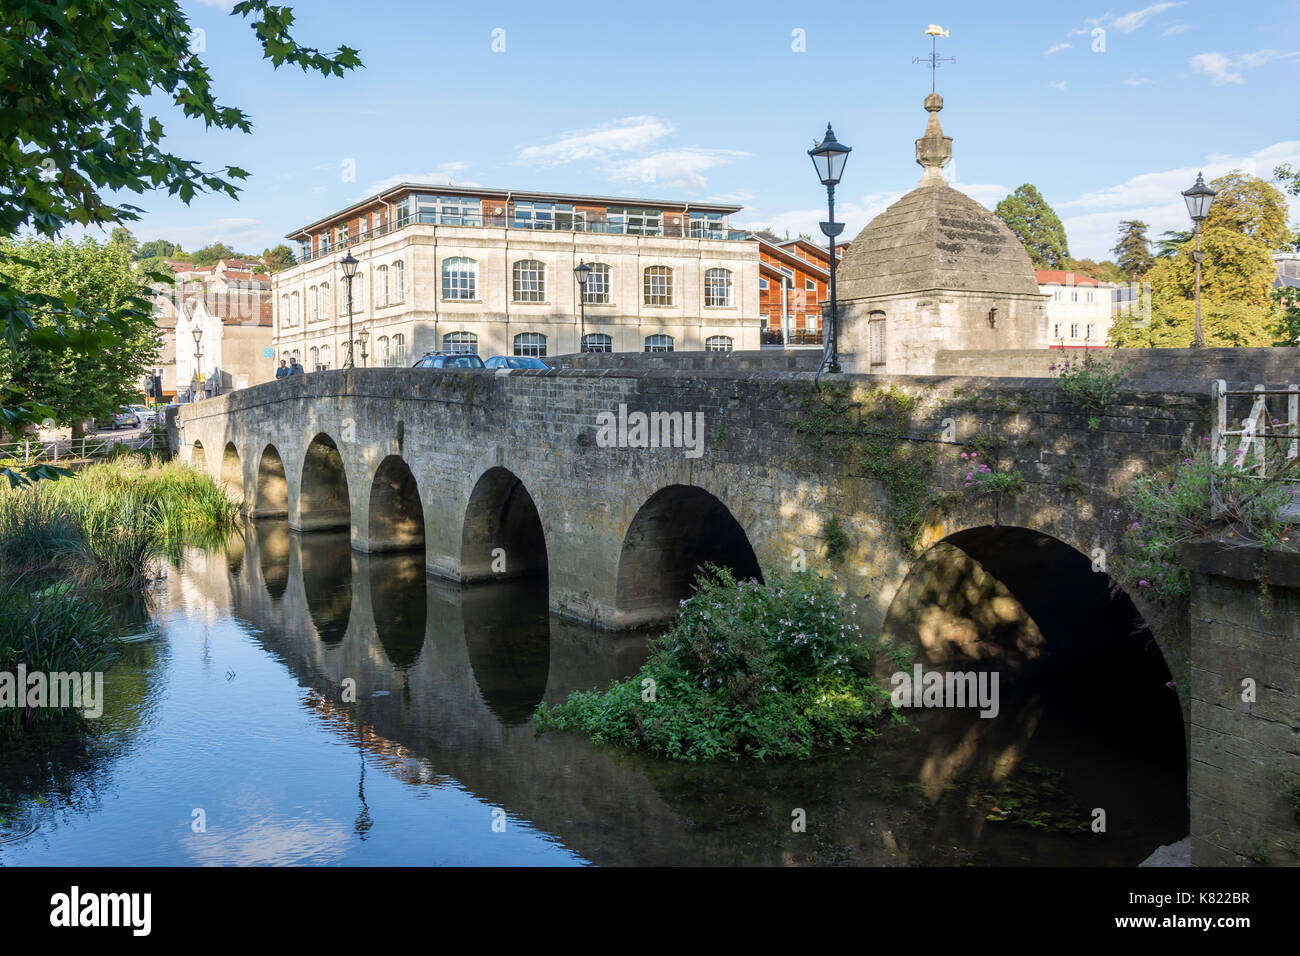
(747, 669)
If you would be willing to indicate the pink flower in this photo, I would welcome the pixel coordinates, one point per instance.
(1144, 583)
(1136, 526)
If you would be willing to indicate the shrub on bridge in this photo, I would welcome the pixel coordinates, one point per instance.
(764, 670)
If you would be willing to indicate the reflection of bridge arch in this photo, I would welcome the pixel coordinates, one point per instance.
(327, 584)
(399, 605)
(396, 516)
(502, 534)
(323, 498)
(273, 556)
(198, 459)
(677, 530)
(272, 492)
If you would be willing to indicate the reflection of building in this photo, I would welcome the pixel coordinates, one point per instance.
(793, 282)
(491, 271)
(1079, 309)
(230, 305)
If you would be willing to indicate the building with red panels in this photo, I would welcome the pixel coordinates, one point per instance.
(794, 282)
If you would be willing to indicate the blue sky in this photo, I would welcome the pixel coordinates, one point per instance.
(714, 100)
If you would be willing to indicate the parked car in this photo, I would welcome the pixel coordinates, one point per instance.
(515, 361)
(449, 360)
(147, 414)
(126, 418)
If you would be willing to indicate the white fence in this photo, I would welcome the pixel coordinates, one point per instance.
(35, 451)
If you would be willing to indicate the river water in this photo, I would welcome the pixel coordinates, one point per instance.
(230, 736)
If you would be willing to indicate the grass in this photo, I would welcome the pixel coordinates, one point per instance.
(105, 526)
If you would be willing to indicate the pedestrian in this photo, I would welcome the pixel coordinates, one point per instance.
(282, 371)
(294, 367)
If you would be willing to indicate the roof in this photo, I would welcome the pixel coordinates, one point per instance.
(448, 189)
(779, 249)
(1059, 277)
(936, 238)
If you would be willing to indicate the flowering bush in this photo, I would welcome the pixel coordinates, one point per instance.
(759, 669)
(980, 477)
(1090, 383)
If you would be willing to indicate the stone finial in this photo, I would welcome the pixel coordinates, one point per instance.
(933, 150)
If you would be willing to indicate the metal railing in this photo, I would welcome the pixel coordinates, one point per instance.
(1256, 428)
(597, 226)
(35, 451)
(775, 337)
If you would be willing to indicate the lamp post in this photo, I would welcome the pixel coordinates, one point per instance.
(198, 358)
(1198, 199)
(829, 157)
(349, 263)
(582, 272)
(361, 337)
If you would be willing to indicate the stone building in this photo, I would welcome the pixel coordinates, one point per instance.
(793, 284)
(1080, 309)
(935, 271)
(491, 271)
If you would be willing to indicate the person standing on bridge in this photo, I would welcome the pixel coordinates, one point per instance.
(282, 371)
(294, 367)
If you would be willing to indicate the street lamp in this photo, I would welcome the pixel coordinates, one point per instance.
(349, 263)
(829, 157)
(1198, 199)
(198, 358)
(582, 272)
(361, 337)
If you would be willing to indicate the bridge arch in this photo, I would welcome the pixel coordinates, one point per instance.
(677, 530)
(272, 492)
(323, 497)
(396, 515)
(501, 536)
(198, 460)
(232, 471)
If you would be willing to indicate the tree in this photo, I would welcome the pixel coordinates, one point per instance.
(209, 254)
(74, 132)
(1289, 180)
(1133, 250)
(160, 248)
(1250, 206)
(91, 370)
(1171, 242)
(1036, 223)
(278, 258)
(122, 236)
(1101, 271)
(1287, 330)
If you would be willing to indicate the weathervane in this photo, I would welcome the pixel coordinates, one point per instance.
(934, 59)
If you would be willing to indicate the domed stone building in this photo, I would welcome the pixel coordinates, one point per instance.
(935, 271)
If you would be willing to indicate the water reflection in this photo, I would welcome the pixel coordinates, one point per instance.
(379, 716)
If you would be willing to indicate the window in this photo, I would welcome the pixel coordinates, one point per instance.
(359, 292)
(530, 282)
(313, 304)
(381, 287)
(1058, 296)
(1091, 297)
(324, 357)
(385, 356)
(459, 278)
(1074, 330)
(530, 343)
(876, 337)
(313, 356)
(762, 285)
(399, 350)
(658, 285)
(1056, 330)
(399, 282)
(447, 210)
(326, 303)
(707, 225)
(460, 342)
(643, 222)
(658, 343)
(343, 233)
(810, 321)
(1074, 295)
(548, 215)
(1092, 329)
(323, 242)
(810, 285)
(304, 250)
(296, 356)
(717, 287)
(598, 285)
(295, 309)
(597, 342)
(285, 319)
(719, 343)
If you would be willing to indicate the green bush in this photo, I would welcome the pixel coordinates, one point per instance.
(764, 670)
(1091, 384)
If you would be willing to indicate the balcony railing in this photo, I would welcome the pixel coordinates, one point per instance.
(564, 224)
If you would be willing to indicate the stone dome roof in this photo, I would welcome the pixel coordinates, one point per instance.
(935, 238)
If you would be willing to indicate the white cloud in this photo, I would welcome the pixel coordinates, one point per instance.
(1056, 84)
(1056, 48)
(1223, 69)
(1176, 29)
(1138, 18)
(621, 136)
(679, 167)
(1156, 198)
(443, 173)
(739, 197)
